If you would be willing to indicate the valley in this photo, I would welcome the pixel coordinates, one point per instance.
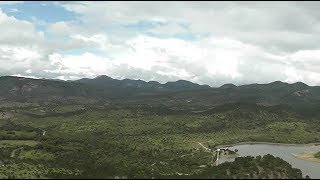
(54, 132)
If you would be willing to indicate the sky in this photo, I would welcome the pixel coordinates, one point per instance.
(205, 42)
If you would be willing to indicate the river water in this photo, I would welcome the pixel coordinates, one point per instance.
(283, 151)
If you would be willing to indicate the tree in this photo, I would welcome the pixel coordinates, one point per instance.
(308, 177)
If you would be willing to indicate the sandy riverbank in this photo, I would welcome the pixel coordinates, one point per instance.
(229, 155)
(269, 143)
(307, 155)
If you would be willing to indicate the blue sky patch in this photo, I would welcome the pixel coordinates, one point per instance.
(143, 25)
(43, 10)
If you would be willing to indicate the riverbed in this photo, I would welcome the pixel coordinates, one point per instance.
(283, 151)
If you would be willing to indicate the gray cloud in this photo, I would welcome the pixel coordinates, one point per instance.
(283, 26)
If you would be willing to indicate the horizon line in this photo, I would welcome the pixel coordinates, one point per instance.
(35, 78)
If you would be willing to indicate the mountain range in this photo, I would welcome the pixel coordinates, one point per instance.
(178, 94)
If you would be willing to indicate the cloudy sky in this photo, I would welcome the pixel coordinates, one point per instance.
(204, 42)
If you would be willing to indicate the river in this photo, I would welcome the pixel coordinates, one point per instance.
(283, 151)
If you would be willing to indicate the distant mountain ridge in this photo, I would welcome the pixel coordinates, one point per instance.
(178, 94)
(107, 81)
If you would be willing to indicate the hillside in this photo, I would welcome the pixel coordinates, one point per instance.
(183, 94)
(70, 129)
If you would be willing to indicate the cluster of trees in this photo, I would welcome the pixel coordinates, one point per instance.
(266, 167)
(11, 126)
(54, 114)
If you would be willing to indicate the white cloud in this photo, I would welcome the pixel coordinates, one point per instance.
(13, 58)
(283, 26)
(292, 75)
(63, 28)
(19, 75)
(306, 60)
(168, 29)
(23, 48)
(86, 64)
(17, 32)
(246, 42)
(10, 2)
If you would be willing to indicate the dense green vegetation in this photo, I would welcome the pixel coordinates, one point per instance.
(107, 141)
(317, 155)
(107, 128)
(266, 167)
